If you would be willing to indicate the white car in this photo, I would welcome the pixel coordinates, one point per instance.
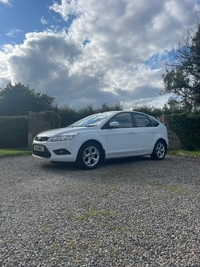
(102, 136)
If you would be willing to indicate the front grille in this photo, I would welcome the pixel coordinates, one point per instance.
(41, 138)
(43, 154)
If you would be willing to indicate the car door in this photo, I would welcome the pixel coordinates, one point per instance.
(121, 141)
(146, 133)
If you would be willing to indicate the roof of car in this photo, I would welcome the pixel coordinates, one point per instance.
(122, 111)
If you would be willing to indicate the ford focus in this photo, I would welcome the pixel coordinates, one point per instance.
(96, 138)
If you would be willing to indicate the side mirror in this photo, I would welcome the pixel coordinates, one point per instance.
(114, 124)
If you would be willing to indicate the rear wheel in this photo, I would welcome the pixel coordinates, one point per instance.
(89, 156)
(159, 150)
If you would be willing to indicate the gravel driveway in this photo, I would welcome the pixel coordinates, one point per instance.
(130, 212)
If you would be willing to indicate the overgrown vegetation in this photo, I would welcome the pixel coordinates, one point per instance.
(182, 77)
(187, 128)
(53, 118)
(14, 132)
(69, 115)
(182, 80)
(155, 112)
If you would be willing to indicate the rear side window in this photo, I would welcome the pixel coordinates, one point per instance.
(154, 122)
(142, 120)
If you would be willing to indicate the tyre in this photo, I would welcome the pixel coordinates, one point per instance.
(159, 150)
(89, 156)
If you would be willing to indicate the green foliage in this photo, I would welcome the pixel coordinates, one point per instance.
(14, 152)
(53, 118)
(185, 125)
(14, 132)
(187, 128)
(172, 107)
(17, 100)
(182, 78)
(106, 107)
(155, 112)
(69, 115)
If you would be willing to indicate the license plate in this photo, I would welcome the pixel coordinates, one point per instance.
(38, 148)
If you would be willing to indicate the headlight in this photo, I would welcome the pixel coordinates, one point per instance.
(63, 137)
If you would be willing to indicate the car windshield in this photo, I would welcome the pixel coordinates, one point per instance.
(90, 121)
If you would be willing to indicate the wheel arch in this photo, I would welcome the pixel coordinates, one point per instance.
(96, 142)
(163, 140)
(160, 138)
(158, 152)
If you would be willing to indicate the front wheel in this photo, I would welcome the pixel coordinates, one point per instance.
(159, 150)
(89, 156)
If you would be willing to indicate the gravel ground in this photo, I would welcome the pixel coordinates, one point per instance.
(131, 212)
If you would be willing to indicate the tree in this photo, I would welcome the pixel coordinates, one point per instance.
(182, 78)
(69, 115)
(155, 112)
(17, 100)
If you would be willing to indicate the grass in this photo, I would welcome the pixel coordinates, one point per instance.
(25, 152)
(93, 213)
(14, 152)
(184, 151)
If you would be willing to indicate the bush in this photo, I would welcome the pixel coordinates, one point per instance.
(187, 128)
(14, 132)
(53, 118)
(69, 115)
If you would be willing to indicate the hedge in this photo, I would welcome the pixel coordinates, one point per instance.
(187, 128)
(13, 132)
(52, 117)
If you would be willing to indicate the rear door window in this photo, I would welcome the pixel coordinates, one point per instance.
(142, 120)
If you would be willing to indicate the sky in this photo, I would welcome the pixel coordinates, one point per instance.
(88, 52)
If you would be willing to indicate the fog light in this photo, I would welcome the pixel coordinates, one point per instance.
(61, 152)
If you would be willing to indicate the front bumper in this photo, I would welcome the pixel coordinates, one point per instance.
(53, 152)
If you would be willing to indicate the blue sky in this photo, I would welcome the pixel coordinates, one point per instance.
(22, 16)
(92, 52)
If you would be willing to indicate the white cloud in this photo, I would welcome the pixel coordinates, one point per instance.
(7, 2)
(113, 51)
(44, 21)
(13, 32)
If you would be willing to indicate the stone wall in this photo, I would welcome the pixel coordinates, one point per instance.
(174, 141)
(36, 124)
